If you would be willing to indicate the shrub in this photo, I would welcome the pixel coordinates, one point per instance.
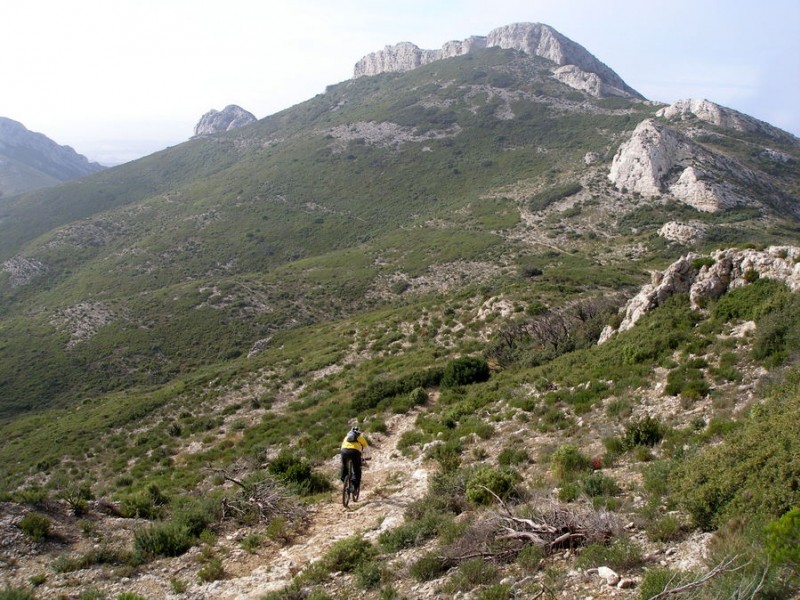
(429, 566)
(665, 529)
(567, 461)
(487, 481)
(656, 581)
(297, 473)
(464, 371)
(197, 514)
(211, 570)
(512, 456)
(530, 557)
(251, 542)
(370, 574)
(703, 261)
(544, 199)
(621, 554)
(418, 396)
(647, 431)
(414, 532)
(410, 438)
(35, 526)
(472, 573)
(498, 591)
(16, 593)
(598, 485)
(131, 596)
(753, 472)
(783, 539)
(348, 554)
(102, 555)
(162, 539)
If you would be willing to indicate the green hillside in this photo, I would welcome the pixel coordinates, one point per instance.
(434, 255)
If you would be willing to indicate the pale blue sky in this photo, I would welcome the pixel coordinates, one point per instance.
(117, 80)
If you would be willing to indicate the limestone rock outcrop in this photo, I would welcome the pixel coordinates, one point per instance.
(684, 233)
(660, 160)
(727, 269)
(574, 65)
(721, 116)
(219, 121)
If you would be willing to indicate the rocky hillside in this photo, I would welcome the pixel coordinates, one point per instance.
(434, 254)
(30, 160)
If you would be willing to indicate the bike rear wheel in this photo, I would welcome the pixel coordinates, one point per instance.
(349, 489)
(346, 491)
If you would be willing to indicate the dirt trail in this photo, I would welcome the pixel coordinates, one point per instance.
(390, 483)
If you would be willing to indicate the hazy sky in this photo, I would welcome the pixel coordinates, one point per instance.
(120, 79)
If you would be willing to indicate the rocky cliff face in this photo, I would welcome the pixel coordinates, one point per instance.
(659, 160)
(731, 268)
(29, 160)
(575, 66)
(218, 121)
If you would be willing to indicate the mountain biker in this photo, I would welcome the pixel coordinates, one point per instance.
(353, 445)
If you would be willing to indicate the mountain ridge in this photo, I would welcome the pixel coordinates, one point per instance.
(30, 160)
(576, 66)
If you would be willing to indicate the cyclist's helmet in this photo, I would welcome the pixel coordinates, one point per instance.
(356, 429)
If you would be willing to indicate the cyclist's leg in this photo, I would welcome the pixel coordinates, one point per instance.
(343, 454)
(357, 469)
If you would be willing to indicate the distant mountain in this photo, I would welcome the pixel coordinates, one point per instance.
(217, 121)
(30, 160)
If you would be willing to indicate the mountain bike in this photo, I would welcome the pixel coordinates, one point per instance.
(350, 490)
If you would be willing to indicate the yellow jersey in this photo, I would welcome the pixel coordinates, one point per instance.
(359, 444)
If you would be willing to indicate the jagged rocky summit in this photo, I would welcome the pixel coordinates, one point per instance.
(29, 160)
(218, 121)
(574, 65)
(710, 279)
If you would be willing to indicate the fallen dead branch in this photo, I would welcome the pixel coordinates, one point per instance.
(550, 526)
(259, 500)
(720, 569)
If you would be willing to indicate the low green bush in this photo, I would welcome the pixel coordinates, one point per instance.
(429, 566)
(162, 539)
(472, 573)
(348, 554)
(646, 431)
(36, 526)
(599, 485)
(369, 575)
(665, 529)
(464, 371)
(568, 462)
(413, 533)
(753, 472)
(297, 472)
(621, 554)
(783, 539)
(211, 570)
(497, 591)
(10, 592)
(102, 555)
(512, 456)
(485, 482)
